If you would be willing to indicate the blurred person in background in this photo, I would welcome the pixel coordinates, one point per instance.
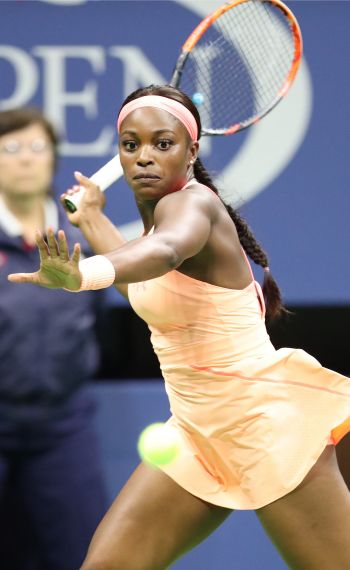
(49, 456)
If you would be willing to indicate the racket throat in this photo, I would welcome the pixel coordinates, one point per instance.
(177, 73)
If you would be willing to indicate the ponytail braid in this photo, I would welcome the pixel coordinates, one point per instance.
(253, 249)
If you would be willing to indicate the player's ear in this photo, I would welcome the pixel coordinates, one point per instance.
(194, 148)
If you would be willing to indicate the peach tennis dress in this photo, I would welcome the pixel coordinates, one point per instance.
(253, 420)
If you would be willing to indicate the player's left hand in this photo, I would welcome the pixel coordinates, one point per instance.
(57, 268)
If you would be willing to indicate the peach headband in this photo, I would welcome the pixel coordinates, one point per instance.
(173, 107)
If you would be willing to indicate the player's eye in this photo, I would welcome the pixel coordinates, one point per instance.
(164, 144)
(129, 145)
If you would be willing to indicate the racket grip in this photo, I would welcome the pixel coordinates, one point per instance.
(103, 178)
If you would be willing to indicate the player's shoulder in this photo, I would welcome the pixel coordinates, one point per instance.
(193, 190)
(192, 196)
(200, 189)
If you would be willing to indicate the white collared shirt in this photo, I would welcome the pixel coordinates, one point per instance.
(13, 228)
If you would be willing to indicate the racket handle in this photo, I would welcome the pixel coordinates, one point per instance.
(103, 178)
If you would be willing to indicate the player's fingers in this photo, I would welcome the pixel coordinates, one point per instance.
(84, 181)
(23, 278)
(76, 253)
(42, 246)
(80, 177)
(63, 245)
(52, 243)
(69, 192)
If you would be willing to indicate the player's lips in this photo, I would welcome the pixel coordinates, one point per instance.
(146, 176)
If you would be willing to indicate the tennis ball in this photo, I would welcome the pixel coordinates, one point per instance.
(197, 98)
(158, 444)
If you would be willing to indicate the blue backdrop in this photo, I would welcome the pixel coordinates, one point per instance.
(79, 58)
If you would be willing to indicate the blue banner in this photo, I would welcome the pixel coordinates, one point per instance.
(78, 59)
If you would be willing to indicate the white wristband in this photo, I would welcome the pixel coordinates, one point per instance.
(97, 273)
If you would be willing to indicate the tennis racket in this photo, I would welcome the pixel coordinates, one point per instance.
(236, 65)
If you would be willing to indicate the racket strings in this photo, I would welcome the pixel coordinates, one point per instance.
(240, 64)
(265, 44)
(273, 38)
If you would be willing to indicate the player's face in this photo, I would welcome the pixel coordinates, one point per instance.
(155, 153)
(26, 161)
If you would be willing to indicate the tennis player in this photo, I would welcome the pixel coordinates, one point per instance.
(258, 426)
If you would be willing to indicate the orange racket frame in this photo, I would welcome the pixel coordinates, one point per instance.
(199, 31)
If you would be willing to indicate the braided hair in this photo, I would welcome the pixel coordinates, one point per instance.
(253, 249)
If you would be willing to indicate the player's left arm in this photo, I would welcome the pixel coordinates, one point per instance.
(182, 226)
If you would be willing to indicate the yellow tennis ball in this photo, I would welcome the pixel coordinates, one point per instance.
(158, 444)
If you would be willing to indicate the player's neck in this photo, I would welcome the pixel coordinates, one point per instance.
(147, 215)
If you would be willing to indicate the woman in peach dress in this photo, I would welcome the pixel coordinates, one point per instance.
(257, 425)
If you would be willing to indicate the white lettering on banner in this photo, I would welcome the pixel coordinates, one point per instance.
(26, 76)
(57, 98)
(138, 70)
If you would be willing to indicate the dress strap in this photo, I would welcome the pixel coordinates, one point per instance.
(248, 263)
(257, 286)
